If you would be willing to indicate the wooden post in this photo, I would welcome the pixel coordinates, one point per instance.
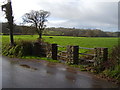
(105, 54)
(7, 8)
(75, 54)
(54, 51)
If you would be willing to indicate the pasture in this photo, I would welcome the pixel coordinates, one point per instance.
(89, 42)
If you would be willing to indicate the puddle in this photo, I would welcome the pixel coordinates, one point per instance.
(51, 65)
(50, 72)
(61, 68)
(27, 66)
(72, 70)
(47, 76)
(71, 78)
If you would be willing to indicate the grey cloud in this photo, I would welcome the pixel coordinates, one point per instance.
(77, 15)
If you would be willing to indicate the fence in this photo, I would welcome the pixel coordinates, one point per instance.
(62, 54)
(90, 56)
(72, 55)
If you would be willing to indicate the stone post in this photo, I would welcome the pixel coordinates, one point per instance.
(101, 55)
(36, 49)
(72, 54)
(54, 51)
(75, 54)
(105, 54)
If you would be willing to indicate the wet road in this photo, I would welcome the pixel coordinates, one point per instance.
(0, 73)
(47, 75)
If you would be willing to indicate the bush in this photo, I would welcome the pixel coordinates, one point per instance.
(25, 48)
(113, 71)
(22, 48)
(112, 64)
(115, 55)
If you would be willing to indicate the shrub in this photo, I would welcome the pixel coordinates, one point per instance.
(25, 48)
(22, 48)
(114, 64)
(115, 55)
(113, 72)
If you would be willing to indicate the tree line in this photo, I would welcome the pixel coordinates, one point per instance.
(27, 30)
(79, 32)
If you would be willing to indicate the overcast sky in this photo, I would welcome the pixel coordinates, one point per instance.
(100, 14)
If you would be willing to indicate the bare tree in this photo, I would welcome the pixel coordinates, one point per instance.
(37, 19)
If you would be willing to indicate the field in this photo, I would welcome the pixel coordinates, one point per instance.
(90, 42)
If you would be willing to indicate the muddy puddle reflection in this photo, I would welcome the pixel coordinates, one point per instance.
(47, 75)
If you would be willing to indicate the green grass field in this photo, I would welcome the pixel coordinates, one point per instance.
(90, 42)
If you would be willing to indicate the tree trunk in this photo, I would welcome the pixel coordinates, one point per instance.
(10, 22)
(37, 30)
(11, 34)
(40, 34)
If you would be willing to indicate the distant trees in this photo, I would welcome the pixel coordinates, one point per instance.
(27, 30)
(79, 32)
(37, 19)
(19, 30)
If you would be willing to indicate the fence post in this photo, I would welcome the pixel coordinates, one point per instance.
(105, 54)
(69, 54)
(75, 54)
(101, 55)
(54, 51)
(48, 50)
(43, 49)
(37, 49)
(72, 54)
(97, 56)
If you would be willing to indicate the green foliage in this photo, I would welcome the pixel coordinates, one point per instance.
(113, 72)
(53, 33)
(81, 67)
(50, 60)
(83, 42)
(40, 58)
(115, 54)
(113, 64)
(26, 47)
(21, 48)
(66, 40)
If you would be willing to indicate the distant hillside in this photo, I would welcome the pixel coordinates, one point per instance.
(18, 29)
(26, 30)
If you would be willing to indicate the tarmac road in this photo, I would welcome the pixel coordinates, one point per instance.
(47, 75)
